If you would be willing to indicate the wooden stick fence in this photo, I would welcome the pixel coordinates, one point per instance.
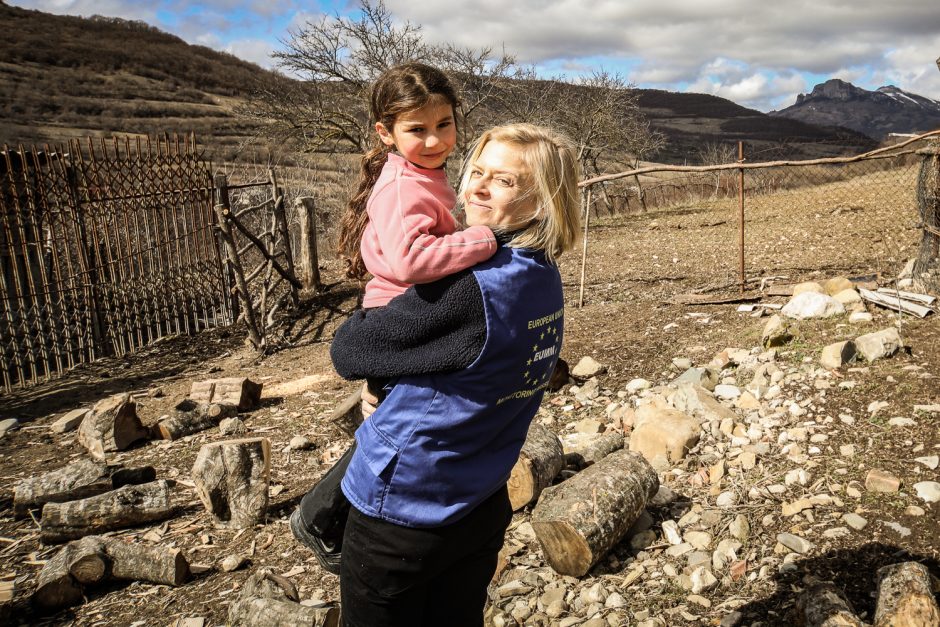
(105, 246)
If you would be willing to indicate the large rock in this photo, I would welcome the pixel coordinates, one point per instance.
(879, 344)
(838, 284)
(838, 354)
(694, 399)
(776, 332)
(704, 377)
(587, 368)
(848, 297)
(812, 305)
(808, 286)
(662, 432)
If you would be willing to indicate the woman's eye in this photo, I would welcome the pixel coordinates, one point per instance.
(475, 174)
(504, 182)
(416, 130)
(444, 124)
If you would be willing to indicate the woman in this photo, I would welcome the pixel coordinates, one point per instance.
(469, 356)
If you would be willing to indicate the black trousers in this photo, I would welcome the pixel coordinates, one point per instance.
(324, 508)
(394, 576)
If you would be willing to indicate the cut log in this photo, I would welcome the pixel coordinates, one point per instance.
(540, 461)
(198, 419)
(140, 562)
(59, 583)
(264, 603)
(905, 597)
(75, 481)
(239, 391)
(584, 449)
(125, 507)
(231, 480)
(112, 425)
(825, 605)
(579, 520)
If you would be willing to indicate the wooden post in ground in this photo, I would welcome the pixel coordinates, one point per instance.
(308, 263)
(281, 217)
(587, 221)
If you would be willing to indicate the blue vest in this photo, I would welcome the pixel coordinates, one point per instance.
(440, 444)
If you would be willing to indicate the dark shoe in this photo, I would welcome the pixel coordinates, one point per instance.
(328, 557)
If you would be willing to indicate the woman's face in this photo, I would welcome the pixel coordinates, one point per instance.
(495, 194)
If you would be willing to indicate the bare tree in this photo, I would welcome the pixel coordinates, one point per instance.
(337, 58)
(717, 153)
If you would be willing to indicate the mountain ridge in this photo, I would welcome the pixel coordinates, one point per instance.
(877, 113)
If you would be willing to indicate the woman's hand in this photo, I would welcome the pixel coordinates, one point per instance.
(369, 401)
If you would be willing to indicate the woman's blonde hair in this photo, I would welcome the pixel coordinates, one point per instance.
(552, 179)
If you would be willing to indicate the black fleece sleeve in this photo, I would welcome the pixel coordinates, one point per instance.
(432, 327)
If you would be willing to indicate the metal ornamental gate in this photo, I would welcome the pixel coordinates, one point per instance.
(105, 246)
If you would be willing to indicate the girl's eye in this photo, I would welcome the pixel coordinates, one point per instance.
(504, 182)
(475, 173)
(444, 124)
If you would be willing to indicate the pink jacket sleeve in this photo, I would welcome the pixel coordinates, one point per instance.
(405, 216)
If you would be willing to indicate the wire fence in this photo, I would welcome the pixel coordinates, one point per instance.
(897, 178)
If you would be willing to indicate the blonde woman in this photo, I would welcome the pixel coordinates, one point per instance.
(469, 357)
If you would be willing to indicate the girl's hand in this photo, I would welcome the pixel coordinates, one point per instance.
(369, 401)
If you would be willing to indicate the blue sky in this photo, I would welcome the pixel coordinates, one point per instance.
(760, 55)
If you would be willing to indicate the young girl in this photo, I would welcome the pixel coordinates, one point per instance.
(398, 228)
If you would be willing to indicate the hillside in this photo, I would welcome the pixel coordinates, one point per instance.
(874, 113)
(63, 76)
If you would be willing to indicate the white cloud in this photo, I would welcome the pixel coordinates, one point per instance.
(254, 50)
(680, 42)
(733, 48)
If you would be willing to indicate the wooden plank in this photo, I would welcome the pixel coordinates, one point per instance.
(925, 299)
(895, 303)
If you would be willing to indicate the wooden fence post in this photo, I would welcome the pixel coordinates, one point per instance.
(308, 262)
(86, 263)
(928, 199)
(587, 221)
(222, 198)
(741, 215)
(281, 218)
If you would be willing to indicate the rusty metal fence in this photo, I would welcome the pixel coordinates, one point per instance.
(104, 247)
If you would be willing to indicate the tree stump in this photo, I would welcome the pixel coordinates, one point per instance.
(579, 520)
(540, 461)
(231, 480)
(200, 418)
(584, 449)
(905, 597)
(267, 600)
(78, 480)
(825, 605)
(125, 507)
(112, 425)
(241, 392)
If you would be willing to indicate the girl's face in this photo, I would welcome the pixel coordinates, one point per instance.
(496, 190)
(425, 136)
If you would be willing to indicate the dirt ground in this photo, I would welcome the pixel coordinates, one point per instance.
(635, 264)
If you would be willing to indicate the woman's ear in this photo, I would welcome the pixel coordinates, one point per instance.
(384, 134)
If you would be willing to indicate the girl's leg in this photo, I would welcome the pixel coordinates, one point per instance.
(324, 508)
